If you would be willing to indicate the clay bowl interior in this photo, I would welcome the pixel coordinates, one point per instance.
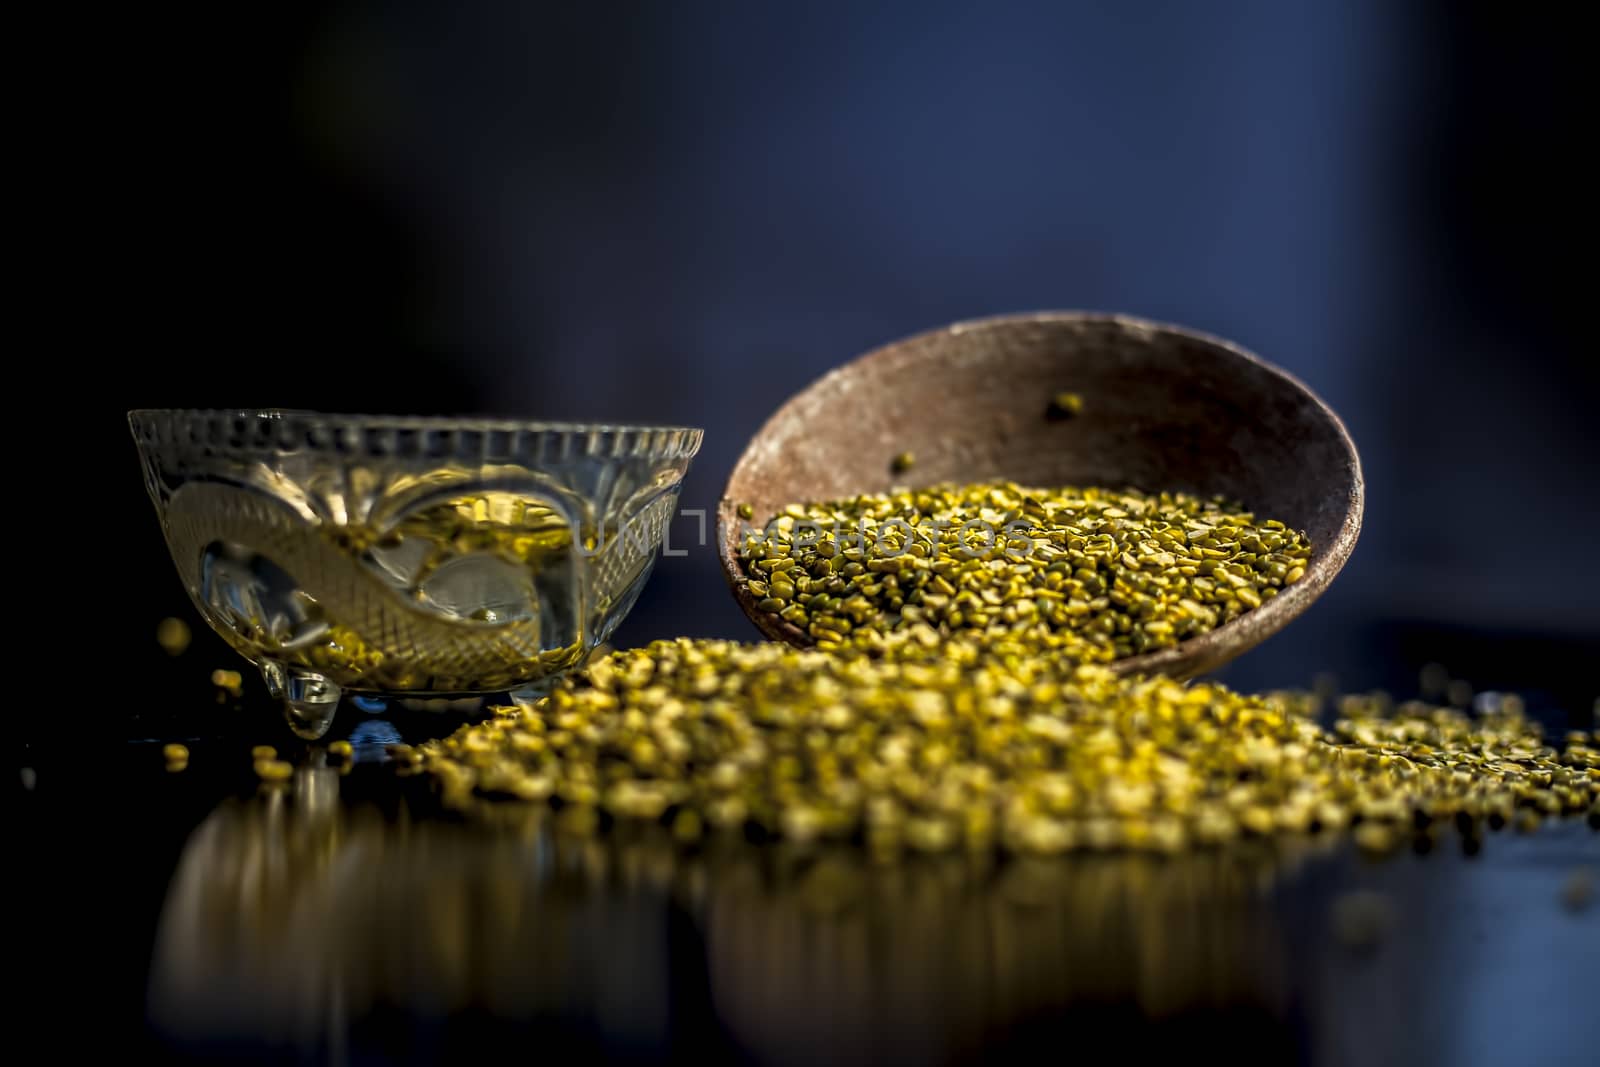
(1163, 408)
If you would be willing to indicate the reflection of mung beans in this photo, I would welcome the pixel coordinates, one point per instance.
(273, 770)
(1578, 890)
(1362, 919)
(960, 747)
(1088, 574)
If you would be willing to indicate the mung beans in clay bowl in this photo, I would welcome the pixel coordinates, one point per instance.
(1087, 486)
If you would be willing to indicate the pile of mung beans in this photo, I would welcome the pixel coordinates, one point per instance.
(956, 698)
(1090, 574)
(963, 749)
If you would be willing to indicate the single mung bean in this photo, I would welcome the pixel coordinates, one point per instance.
(173, 636)
(1064, 406)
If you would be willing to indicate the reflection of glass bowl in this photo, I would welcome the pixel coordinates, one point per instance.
(408, 555)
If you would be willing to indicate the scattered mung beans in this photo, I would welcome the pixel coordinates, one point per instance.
(965, 748)
(902, 462)
(1085, 574)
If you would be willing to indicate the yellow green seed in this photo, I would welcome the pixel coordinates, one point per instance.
(1065, 405)
(173, 636)
(1375, 838)
(406, 755)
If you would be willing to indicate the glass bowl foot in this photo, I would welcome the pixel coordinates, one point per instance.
(310, 700)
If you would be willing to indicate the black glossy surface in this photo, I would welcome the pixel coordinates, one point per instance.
(346, 919)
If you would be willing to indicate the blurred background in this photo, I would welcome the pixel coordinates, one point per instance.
(684, 212)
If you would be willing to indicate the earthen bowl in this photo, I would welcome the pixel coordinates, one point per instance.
(1164, 408)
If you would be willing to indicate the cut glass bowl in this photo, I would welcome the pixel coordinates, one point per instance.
(421, 557)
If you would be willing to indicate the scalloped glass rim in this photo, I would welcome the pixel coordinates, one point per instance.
(281, 430)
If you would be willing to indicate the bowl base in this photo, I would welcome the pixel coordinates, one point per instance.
(311, 700)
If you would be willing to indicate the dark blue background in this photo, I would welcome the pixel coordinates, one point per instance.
(684, 212)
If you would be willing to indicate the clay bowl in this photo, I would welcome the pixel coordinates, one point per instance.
(1163, 408)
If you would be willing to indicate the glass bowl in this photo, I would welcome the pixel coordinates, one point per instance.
(423, 557)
